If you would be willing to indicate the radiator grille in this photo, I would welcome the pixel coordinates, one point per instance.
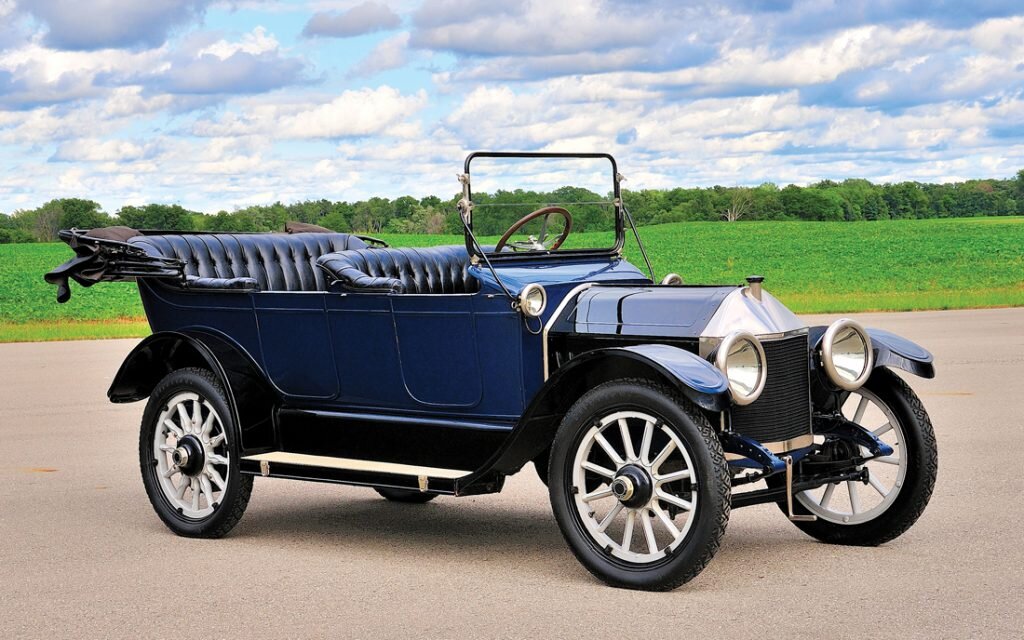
(784, 409)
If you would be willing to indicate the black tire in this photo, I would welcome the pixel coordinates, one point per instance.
(405, 495)
(235, 495)
(922, 470)
(712, 490)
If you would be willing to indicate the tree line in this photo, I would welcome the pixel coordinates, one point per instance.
(849, 200)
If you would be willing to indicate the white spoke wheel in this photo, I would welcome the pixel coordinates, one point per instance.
(856, 502)
(640, 506)
(900, 485)
(639, 485)
(189, 456)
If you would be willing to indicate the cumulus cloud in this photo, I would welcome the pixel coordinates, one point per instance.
(99, 150)
(389, 54)
(367, 17)
(535, 26)
(33, 76)
(254, 64)
(695, 93)
(99, 24)
(354, 113)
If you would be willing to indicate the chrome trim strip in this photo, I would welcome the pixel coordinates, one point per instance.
(551, 321)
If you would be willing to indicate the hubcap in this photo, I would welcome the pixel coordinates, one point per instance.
(622, 488)
(179, 457)
(189, 456)
(190, 449)
(634, 486)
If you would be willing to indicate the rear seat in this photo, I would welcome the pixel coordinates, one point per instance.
(262, 261)
(408, 270)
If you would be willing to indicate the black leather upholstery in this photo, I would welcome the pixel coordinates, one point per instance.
(277, 262)
(234, 284)
(427, 270)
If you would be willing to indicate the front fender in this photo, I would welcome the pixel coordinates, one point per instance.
(691, 375)
(890, 350)
(251, 398)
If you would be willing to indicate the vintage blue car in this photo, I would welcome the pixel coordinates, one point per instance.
(649, 407)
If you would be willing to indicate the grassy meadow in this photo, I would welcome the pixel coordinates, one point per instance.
(813, 267)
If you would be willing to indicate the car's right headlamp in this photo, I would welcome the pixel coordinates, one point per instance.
(740, 357)
(846, 354)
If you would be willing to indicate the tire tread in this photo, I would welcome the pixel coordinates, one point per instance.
(225, 520)
(723, 486)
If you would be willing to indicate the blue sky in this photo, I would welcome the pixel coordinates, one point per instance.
(220, 104)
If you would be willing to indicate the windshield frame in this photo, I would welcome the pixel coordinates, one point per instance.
(466, 209)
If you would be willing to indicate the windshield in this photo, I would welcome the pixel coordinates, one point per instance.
(544, 204)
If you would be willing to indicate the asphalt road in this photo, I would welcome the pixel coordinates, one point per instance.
(83, 555)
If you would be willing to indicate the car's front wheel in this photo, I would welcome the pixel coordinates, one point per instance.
(188, 451)
(639, 485)
(899, 485)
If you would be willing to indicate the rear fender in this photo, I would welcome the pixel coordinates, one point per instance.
(251, 399)
(691, 375)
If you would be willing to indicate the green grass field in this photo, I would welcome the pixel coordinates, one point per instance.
(814, 267)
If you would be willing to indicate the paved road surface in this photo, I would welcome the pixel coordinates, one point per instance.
(83, 555)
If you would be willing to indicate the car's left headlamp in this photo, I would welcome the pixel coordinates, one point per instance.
(741, 358)
(846, 354)
(533, 299)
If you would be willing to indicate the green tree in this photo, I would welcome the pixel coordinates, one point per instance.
(156, 216)
(80, 214)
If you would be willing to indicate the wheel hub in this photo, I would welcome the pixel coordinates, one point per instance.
(189, 456)
(633, 486)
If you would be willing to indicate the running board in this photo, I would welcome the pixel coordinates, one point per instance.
(301, 466)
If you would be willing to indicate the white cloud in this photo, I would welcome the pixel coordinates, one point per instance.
(389, 54)
(99, 150)
(353, 113)
(256, 42)
(684, 94)
(367, 17)
(569, 26)
(102, 24)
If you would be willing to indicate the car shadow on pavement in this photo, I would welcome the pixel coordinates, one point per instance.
(478, 530)
(471, 527)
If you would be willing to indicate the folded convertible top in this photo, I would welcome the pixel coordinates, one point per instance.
(100, 259)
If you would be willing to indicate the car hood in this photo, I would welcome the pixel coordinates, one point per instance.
(674, 311)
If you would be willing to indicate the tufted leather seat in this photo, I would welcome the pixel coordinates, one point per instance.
(419, 270)
(271, 262)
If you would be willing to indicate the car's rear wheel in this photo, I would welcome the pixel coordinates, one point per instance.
(900, 485)
(639, 485)
(188, 452)
(405, 495)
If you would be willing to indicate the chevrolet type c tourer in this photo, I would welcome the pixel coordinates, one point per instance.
(649, 407)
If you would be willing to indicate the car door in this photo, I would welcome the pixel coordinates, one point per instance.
(295, 340)
(438, 349)
(405, 351)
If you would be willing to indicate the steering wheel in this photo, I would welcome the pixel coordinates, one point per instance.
(537, 243)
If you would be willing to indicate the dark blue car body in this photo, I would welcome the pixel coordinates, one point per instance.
(419, 370)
